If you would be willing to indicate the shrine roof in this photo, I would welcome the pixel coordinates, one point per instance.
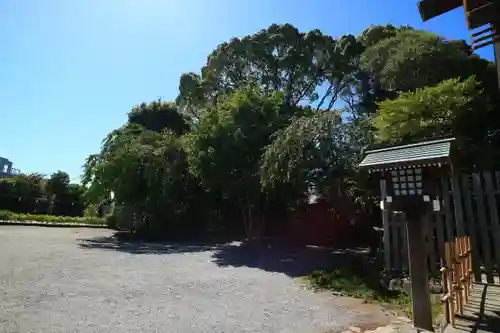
(414, 154)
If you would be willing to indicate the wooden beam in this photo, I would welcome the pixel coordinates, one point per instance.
(432, 8)
(494, 41)
(480, 15)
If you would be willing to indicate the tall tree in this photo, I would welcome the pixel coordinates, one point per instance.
(226, 146)
(143, 165)
(21, 193)
(279, 58)
(451, 108)
(157, 116)
(406, 59)
(58, 183)
(306, 153)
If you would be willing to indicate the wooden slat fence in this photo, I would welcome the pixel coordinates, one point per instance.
(470, 206)
(456, 277)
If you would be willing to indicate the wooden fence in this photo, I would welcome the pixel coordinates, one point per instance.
(456, 277)
(470, 205)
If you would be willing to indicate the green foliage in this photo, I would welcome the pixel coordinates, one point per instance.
(428, 112)
(63, 220)
(64, 198)
(378, 33)
(91, 211)
(411, 59)
(259, 127)
(454, 107)
(21, 193)
(305, 152)
(279, 58)
(226, 145)
(58, 183)
(35, 194)
(158, 116)
(355, 284)
(145, 168)
(347, 283)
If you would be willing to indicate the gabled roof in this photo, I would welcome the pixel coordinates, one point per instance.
(420, 153)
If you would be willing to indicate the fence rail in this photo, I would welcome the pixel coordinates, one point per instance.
(456, 277)
(470, 205)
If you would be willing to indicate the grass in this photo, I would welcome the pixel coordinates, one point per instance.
(7, 217)
(367, 286)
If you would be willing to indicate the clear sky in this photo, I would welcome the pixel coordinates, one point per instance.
(70, 70)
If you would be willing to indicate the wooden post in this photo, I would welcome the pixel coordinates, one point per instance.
(417, 259)
(463, 269)
(450, 297)
(469, 253)
(387, 229)
(482, 225)
(456, 276)
(496, 48)
(471, 223)
(445, 300)
(494, 220)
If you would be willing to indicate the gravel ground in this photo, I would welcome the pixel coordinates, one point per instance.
(81, 280)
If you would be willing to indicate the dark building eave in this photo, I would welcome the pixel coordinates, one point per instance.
(432, 8)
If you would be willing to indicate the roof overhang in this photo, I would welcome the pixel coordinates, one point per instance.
(421, 154)
(432, 8)
(477, 12)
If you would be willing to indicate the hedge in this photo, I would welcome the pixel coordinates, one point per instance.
(7, 217)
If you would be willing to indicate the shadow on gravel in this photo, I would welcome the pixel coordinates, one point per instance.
(293, 261)
(141, 247)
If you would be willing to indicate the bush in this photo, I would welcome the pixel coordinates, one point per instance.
(6, 215)
(359, 283)
(91, 211)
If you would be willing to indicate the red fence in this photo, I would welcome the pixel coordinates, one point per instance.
(322, 224)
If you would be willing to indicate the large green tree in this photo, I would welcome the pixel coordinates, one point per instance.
(454, 107)
(260, 123)
(144, 167)
(35, 193)
(279, 58)
(226, 145)
(20, 193)
(157, 116)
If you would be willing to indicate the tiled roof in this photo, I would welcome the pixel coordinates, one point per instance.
(414, 153)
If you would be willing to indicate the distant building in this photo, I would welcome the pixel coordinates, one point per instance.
(6, 168)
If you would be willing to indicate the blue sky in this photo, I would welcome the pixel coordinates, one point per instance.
(70, 70)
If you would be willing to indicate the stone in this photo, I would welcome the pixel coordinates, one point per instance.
(404, 320)
(355, 329)
(405, 285)
(436, 288)
(395, 284)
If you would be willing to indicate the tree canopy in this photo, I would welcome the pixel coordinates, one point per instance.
(276, 115)
(36, 193)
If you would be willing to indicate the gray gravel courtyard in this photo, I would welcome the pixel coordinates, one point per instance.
(80, 280)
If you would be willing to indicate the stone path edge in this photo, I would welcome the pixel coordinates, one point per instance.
(53, 224)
